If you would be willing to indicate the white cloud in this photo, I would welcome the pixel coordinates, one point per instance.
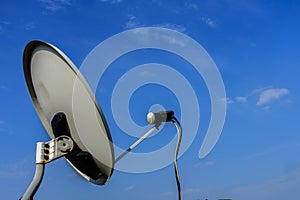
(54, 5)
(143, 34)
(5, 128)
(226, 100)
(207, 164)
(209, 22)
(268, 95)
(240, 99)
(4, 22)
(210, 163)
(132, 22)
(111, 1)
(259, 90)
(175, 27)
(167, 193)
(173, 40)
(284, 187)
(229, 101)
(29, 26)
(2, 25)
(188, 190)
(15, 170)
(131, 187)
(191, 6)
(3, 87)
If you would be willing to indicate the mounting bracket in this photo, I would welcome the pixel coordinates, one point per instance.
(56, 148)
(45, 153)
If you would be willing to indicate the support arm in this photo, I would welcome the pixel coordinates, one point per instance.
(135, 144)
(37, 179)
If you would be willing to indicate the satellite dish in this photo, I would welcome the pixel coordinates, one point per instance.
(73, 118)
(52, 80)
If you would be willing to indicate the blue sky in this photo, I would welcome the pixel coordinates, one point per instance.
(255, 45)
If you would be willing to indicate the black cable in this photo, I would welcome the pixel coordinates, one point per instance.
(166, 116)
(179, 133)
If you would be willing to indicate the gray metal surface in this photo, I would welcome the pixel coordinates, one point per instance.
(56, 85)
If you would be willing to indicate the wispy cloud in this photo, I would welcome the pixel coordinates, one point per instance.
(209, 22)
(190, 190)
(131, 187)
(111, 1)
(273, 150)
(132, 22)
(186, 191)
(15, 170)
(265, 95)
(210, 163)
(207, 164)
(175, 27)
(268, 95)
(228, 100)
(238, 99)
(5, 128)
(2, 25)
(144, 34)
(173, 40)
(3, 87)
(4, 22)
(284, 187)
(54, 5)
(29, 26)
(189, 5)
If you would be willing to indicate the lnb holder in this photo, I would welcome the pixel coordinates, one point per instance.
(160, 117)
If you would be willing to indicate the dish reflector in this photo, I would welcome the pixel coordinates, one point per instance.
(65, 103)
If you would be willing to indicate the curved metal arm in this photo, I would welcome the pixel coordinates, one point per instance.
(37, 179)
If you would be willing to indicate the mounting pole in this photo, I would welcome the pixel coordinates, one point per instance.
(37, 179)
(136, 143)
(45, 153)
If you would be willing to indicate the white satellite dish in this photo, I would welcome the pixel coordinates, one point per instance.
(57, 87)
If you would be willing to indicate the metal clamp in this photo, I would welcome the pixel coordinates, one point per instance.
(56, 148)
